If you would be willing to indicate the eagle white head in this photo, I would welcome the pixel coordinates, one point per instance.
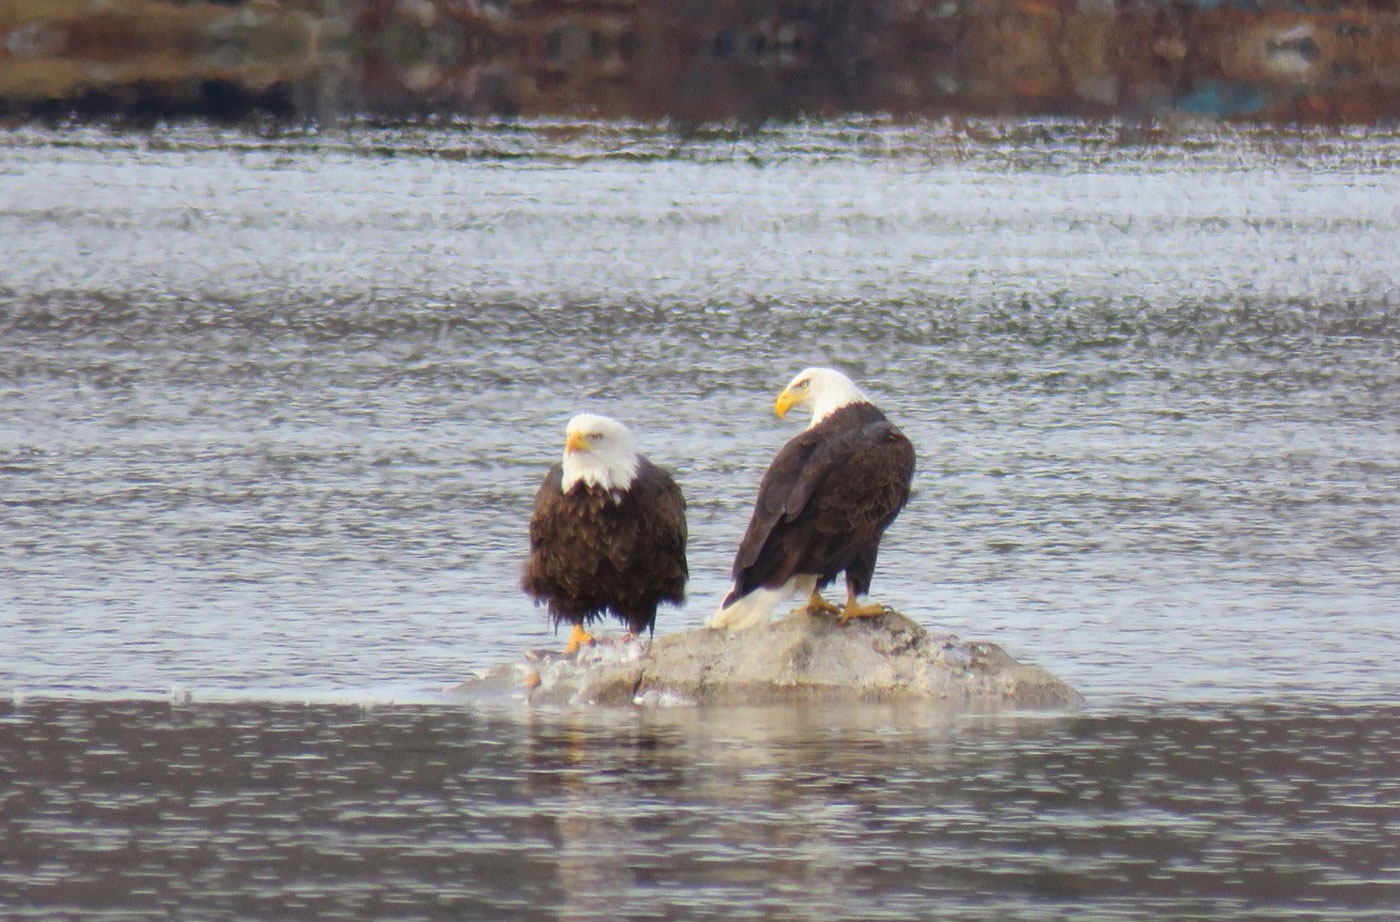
(598, 451)
(821, 390)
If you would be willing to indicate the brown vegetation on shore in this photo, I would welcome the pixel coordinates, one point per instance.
(726, 60)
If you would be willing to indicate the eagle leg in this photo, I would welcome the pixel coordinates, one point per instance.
(818, 605)
(854, 609)
(578, 637)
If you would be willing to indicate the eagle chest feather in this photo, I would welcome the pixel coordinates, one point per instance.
(605, 519)
(587, 530)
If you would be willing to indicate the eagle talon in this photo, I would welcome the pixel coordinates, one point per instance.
(852, 611)
(578, 638)
(816, 605)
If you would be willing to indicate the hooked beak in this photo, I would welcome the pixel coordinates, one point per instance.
(784, 403)
(577, 441)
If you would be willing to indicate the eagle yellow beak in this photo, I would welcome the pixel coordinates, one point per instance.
(577, 441)
(784, 403)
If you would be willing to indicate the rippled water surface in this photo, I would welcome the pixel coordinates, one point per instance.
(272, 411)
(285, 811)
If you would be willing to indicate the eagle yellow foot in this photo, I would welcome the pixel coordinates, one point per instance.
(816, 605)
(578, 637)
(854, 610)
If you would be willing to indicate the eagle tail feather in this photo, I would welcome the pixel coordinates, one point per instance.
(754, 608)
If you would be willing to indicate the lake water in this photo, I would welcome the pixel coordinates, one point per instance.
(272, 411)
(283, 811)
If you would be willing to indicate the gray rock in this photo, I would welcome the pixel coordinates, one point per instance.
(802, 657)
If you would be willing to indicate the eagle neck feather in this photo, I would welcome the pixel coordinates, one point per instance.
(826, 404)
(612, 474)
(827, 392)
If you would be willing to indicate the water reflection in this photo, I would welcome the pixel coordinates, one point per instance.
(692, 62)
(338, 812)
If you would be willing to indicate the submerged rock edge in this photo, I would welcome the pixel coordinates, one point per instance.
(801, 658)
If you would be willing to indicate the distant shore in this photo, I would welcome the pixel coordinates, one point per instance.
(695, 64)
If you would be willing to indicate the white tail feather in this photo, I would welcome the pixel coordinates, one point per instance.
(754, 608)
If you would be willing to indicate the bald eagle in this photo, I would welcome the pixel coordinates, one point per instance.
(607, 534)
(822, 506)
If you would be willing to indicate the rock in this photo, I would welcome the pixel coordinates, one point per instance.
(802, 657)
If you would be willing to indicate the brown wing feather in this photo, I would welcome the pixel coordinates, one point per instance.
(663, 532)
(543, 519)
(782, 492)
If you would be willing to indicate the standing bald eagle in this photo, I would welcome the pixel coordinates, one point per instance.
(822, 506)
(607, 534)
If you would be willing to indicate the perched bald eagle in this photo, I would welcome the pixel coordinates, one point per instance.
(607, 534)
(823, 505)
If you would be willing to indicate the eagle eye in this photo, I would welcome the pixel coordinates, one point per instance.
(595, 436)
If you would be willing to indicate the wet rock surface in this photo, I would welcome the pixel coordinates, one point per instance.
(802, 657)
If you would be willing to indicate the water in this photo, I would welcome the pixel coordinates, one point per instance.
(272, 410)
(140, 809)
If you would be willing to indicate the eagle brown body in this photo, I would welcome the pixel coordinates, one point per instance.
(825, 502)
(597, 551)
